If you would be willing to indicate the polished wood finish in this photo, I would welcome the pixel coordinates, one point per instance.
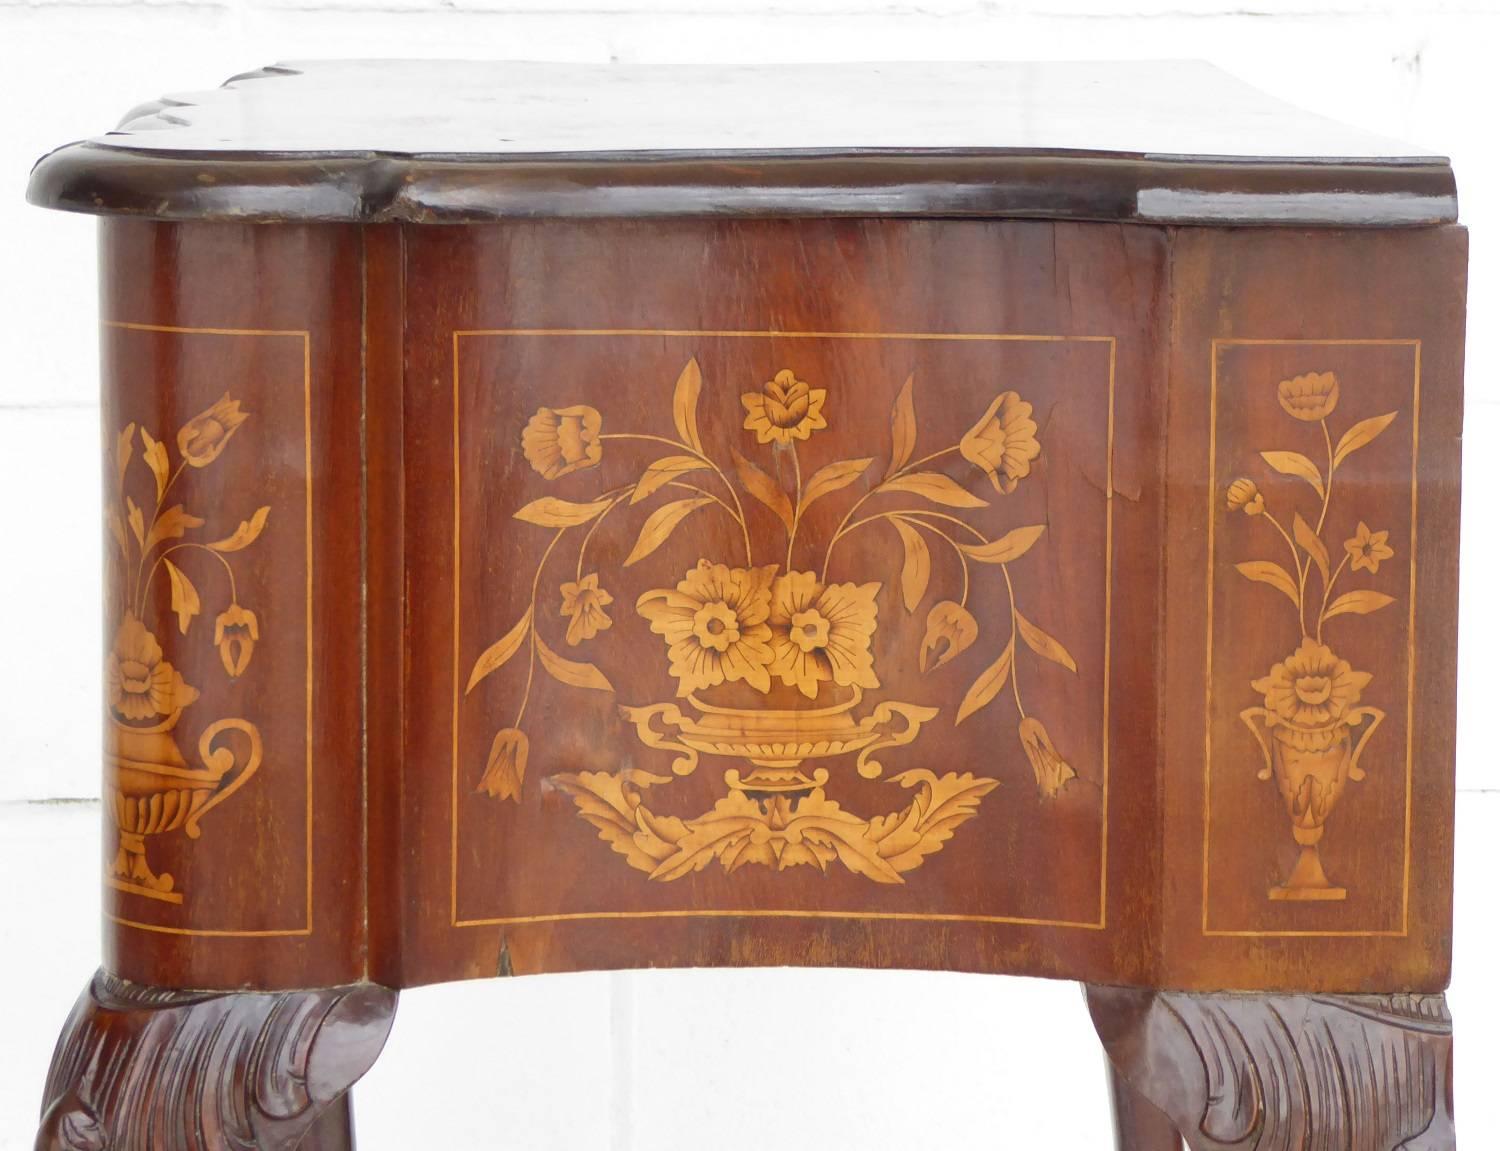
(465, 142)
(140, 1067)
(1006, 595)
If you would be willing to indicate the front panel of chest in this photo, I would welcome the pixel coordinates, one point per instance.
(774, 574)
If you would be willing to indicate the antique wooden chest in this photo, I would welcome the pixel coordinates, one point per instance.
(1000, 518)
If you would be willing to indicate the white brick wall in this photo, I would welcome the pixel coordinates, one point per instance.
(626, 1061)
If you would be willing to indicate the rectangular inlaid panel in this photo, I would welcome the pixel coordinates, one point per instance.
(764, 595)
(208, 676)
(1313, 558)
(763, 607)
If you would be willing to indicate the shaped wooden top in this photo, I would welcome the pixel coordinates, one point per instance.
(446, 141)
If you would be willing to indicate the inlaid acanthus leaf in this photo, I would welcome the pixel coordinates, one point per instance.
(763, 488)
(1012, 545)
(831, 477)
(916, 564)
(1043, 644)
(137, 522)
(170, 525)
(155, 456)
(1265, 571)
(244, 535)
(184, 595)
(661, 523)
(1295, 464)
(989, 684)
(1360, 435)
(571, 672)
(664, 471)
(551, 512)
(501, 650)
(903, 429)
(935, 486)
(1361, 602)
(685, 404)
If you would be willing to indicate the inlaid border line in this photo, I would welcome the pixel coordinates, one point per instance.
(788, 913)
(1215, 345)
(306, 337)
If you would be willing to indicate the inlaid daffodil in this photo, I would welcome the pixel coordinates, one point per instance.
(1312, 688)
(715, 626)
(821, 633)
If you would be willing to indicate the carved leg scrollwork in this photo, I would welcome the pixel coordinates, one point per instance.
(140, 1067)
(1263, 1072)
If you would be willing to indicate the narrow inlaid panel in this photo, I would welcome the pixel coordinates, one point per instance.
(1314, 551)
(208, 672)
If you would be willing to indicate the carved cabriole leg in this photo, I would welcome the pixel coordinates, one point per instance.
(1264, 1072)
(141, 1068)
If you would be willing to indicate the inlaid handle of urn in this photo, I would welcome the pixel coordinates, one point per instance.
(221, 761)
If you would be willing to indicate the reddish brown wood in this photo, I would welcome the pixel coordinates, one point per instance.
(144, 1067)
(1255, 1072)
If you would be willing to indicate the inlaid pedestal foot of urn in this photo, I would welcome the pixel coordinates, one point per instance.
(1265, 1072)
(147, 1069)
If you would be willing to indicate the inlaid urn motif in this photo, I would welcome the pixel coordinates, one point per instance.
(150, 786)
(774, 660)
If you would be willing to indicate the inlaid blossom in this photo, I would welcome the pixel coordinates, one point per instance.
(1245, 496)
(821, 633)
(204, 436)
(715, 625)
(1311, 688)
(583, 603)
(139, 683)
(785, 409)
(505, 771)
(1311, 397)
(1367, 549)
(557, 441)
(235, 634)
(951, 628)
(1003, 443)
(1051, 770)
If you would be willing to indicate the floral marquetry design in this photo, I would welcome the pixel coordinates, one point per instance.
(151, 788)
(1311, 699)
(774, 662)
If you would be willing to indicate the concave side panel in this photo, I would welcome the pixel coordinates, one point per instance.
(779, 593)
(232, 769)
(1315, 428)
